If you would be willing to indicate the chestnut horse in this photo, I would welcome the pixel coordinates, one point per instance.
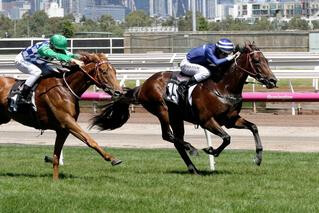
(57, 102)
(215, 103)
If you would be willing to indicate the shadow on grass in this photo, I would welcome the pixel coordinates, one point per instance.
(202, 172)
(61, 175)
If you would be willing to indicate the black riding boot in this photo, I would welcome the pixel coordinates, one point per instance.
(183, 86)
(23, 99)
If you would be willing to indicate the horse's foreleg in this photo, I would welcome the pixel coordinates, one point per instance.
(241, 123)
(167, 135)
(61, 136)
(79, 133)
(216, 129)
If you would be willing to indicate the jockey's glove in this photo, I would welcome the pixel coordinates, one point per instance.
(230, 57)
(77, 62)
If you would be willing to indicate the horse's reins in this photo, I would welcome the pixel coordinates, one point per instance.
(98, 84)
(68, 86)
(243, 69)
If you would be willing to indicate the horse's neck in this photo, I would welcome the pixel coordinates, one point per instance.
(78, 82)
(234, 80)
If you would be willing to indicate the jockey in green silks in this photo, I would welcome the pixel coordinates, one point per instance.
(34, 61)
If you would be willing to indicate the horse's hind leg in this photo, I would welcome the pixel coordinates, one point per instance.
(241, 123)
(69, 123)
(61, 136)
(4, 117)
(167, 134)
(216, 129)
(179, 132)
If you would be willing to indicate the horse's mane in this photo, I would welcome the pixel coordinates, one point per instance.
(248, 46)
(92, 57)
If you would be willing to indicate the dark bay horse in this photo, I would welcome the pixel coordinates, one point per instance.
(57, 102)
(214, 104)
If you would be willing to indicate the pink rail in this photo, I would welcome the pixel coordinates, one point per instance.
(281, 96)
(95, 96)
(247, 96)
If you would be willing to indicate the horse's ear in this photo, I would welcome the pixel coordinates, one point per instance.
(102, 57)
(239, 49)
(84, 57)
(247, 43)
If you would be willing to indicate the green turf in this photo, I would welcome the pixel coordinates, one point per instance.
(156, 181)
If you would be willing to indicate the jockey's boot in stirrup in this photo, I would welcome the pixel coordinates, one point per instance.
(183, 86)
(23, 99)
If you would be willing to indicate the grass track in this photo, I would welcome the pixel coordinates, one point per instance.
(156, 181)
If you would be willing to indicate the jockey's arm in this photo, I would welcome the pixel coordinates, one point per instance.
(209, 52)
(46, 51)
(76, 56)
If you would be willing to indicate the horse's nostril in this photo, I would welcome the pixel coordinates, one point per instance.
(117, 94)
(274, 81)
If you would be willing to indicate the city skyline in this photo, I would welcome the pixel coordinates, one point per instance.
(118, 9)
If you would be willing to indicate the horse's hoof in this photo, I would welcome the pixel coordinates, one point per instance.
(257, 161)
(193, 170)
(48, 159)
(116, 162)
(209, 150)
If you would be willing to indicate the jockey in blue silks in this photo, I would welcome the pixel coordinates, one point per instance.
(200, 58)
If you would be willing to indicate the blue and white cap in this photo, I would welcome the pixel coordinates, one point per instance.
(225, 45)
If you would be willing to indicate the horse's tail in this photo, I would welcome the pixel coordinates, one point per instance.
(116, 113)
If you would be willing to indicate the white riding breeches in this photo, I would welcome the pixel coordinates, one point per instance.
(28, 68)
(199, 72)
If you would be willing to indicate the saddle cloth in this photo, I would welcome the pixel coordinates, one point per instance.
(171, 89)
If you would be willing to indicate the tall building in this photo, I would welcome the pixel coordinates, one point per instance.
(67, 5)
(211, 8)
(143, 5)
(130, 4)
(170, 11)
(284, 9)
(55, 10)
(118, 12)
(21, 7)
(158, 8)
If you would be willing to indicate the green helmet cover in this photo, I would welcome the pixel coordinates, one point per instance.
(59, 42)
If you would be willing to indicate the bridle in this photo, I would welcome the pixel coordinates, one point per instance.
(106, 88)
(254, 73)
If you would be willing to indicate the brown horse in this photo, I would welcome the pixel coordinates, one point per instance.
(215, 103)
(57, 102)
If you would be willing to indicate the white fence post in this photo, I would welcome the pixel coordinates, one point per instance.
(293, 111)
(61, 160)
(211, 157)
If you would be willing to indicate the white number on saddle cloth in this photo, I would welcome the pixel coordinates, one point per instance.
(172, 93)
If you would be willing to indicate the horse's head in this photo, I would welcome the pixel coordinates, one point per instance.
(253, 62)
(101, 73)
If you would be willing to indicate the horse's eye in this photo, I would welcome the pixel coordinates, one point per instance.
(256, 62)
